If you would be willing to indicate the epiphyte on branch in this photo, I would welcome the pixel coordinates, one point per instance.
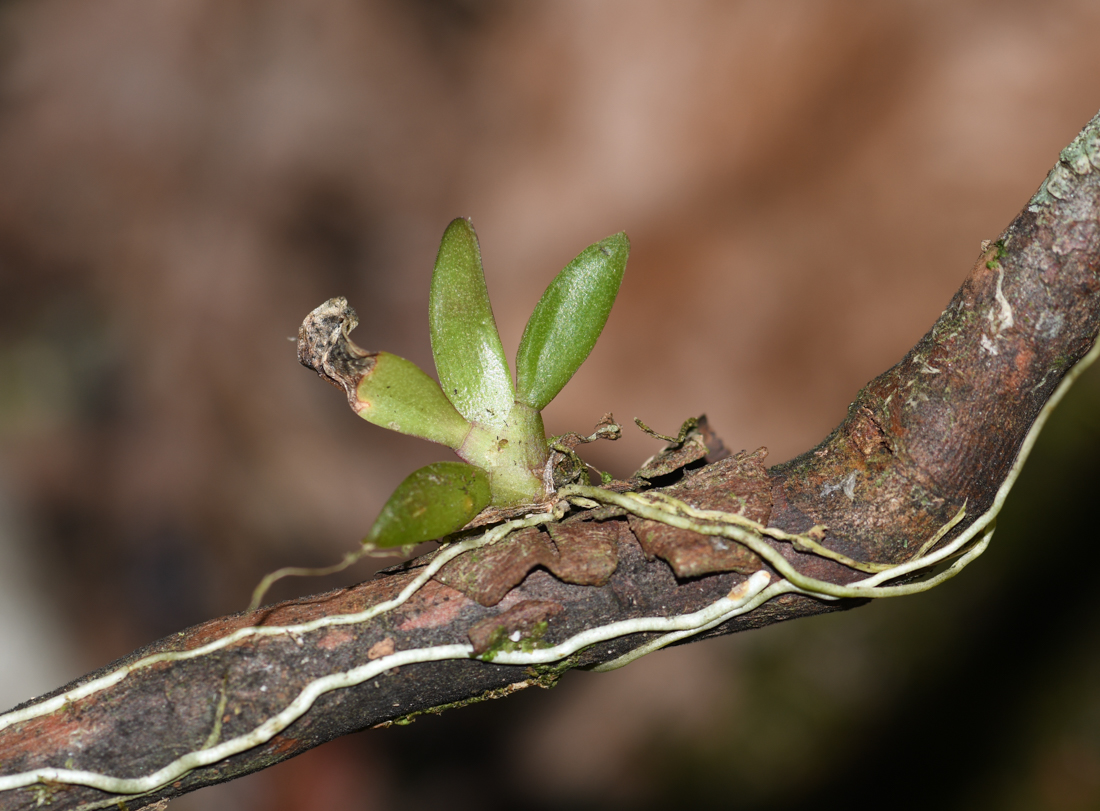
(493, 425)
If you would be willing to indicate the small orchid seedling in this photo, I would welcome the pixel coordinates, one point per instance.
(495, 427)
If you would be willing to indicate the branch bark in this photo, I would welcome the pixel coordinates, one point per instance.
(941, 432)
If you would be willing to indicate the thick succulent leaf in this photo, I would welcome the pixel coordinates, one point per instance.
(382, 388)
(469, 358)
(568, 319)
(397, 394)
(433, 501)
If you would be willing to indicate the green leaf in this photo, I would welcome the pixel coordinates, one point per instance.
(469, 358)
(433, 501)
(568, 319)
(397, 394)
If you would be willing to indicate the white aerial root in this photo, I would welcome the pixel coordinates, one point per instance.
(261, 734)
(754, 591)
(103, 682)
(350, 678)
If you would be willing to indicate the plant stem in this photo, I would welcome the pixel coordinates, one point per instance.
(514, 454)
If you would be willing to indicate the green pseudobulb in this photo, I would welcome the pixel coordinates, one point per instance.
(434, 501)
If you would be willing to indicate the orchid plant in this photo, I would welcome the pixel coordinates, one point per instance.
(493, 425)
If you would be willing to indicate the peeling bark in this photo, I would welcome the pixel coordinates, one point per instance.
(938, 431)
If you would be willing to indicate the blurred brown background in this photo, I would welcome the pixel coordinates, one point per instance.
(805, 185)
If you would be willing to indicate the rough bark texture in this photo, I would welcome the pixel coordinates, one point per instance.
(939, 430)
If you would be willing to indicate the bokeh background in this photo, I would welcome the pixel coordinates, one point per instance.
(805, 184)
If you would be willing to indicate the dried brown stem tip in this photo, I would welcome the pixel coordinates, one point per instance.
(324, 346)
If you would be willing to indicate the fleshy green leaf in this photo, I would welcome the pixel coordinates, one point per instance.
(568, 319)
(397, 394)
(433, 501)
(382, 388)
(469, 358)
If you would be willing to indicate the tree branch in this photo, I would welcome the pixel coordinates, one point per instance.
(933, 444)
